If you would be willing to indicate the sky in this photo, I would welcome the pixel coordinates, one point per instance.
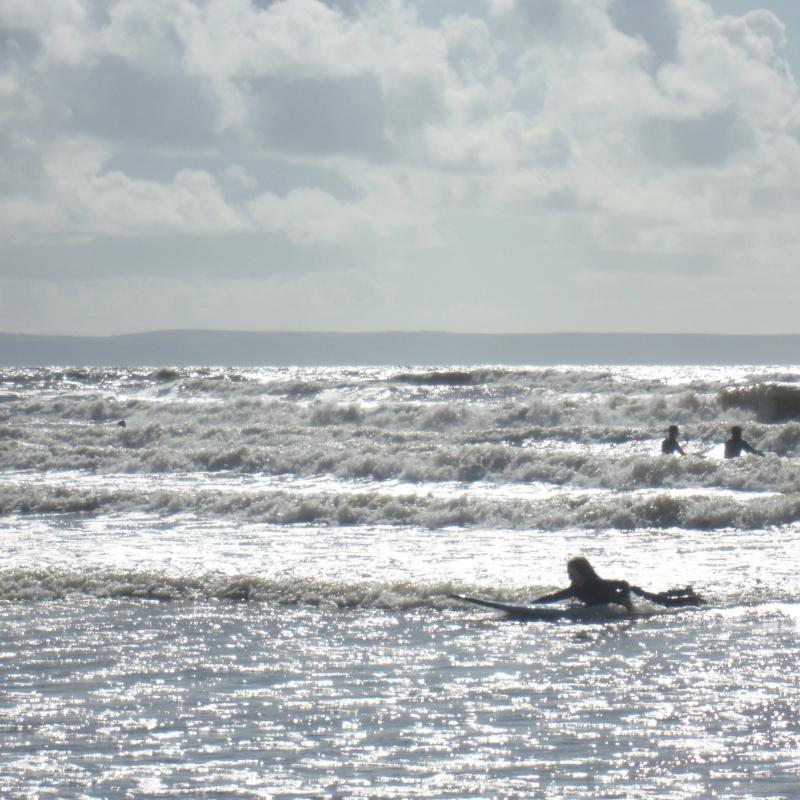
(487, 166)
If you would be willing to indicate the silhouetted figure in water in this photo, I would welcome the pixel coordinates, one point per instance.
(588, 587)
(735, 446)
(122, 424)
(670, 444)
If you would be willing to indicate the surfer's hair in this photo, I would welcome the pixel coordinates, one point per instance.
(672, 429)
(736, 429)
(581, 565)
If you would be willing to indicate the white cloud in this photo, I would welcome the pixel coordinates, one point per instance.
(310, 215)
(85, 200)
(238, 177)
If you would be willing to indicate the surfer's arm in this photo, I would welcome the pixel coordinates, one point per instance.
(672, 597)
(752, 450)
(563, 594)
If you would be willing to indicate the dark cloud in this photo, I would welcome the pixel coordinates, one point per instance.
(25, 122)
(536, 21)
(99, 11)
(654, 21)
(21, 169)
(17, 46)
(433, 12)
(127, 104)
(350, 8)
(708, 140)
(343, 115)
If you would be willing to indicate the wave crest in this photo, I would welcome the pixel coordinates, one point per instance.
(770, 402)
(370, 508)
(35, 585)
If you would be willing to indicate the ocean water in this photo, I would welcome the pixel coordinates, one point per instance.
(243, 593)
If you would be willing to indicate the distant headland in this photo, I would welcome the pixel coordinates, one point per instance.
(241, 349)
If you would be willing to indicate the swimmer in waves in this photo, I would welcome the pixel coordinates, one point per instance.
(671, 444)
(735, 446)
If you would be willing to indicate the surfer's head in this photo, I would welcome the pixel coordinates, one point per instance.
(736, 432)
(673, 431)
(580, 571)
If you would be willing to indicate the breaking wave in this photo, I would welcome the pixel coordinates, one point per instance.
(55, 584)
(769, 402)
(372, 508)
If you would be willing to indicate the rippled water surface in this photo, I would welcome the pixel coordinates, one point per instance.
(244, 591)
(143, 699)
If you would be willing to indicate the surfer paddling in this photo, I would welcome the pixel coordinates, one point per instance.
(671, 444)
(592, 590)
(735, 446)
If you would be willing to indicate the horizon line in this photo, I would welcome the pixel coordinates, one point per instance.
(389, 332)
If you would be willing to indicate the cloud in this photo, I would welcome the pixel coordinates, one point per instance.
(550, 23)
(318, 117)
(656, 22)
(128, 105)
(382, 214)
(603, 137)
(239, 178)
(709, 139)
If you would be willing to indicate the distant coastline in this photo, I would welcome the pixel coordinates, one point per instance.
(241, 349)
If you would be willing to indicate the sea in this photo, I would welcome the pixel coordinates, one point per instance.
(235, 582)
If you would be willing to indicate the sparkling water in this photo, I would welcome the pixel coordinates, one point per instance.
(243, 592)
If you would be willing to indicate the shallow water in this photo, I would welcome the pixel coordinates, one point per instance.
(243, 593)
(217, 699)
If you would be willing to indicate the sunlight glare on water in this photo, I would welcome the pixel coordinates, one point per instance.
(318, 702)
(244, 591)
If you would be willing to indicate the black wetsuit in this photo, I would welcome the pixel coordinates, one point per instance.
(669, 446)
(735, 447)
(592, 593)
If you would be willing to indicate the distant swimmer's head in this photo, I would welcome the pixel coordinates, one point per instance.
(122, 424)
(673, 431)
(580, 571)
(736, 432)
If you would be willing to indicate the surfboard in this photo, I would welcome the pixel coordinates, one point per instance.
(606, 613)
(717, 451)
